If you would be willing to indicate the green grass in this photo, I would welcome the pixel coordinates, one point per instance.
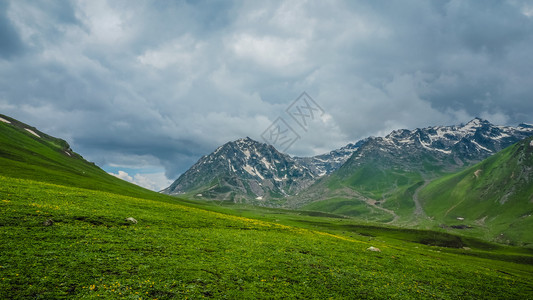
(373, 181)
(181, 251)
(347, 207)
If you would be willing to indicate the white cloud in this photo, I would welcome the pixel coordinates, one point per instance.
(106, 24)
(151, 181)
(496, 118)
(271, 52)
(527, 10)
(123, 175)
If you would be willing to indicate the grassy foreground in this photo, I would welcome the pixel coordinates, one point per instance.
(179, 251)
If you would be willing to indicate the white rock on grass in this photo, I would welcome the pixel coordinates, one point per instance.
(130, 219)
(372, 248)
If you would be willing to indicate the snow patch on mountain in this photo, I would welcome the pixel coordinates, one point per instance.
(231, 168)
(266, 163)
(32, 132)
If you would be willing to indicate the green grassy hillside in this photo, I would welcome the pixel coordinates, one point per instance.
(494, 197)
(45, 158)
(64, 235)
(377, 190)
(390, 186)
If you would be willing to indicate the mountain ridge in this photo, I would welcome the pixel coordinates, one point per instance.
(432, 150)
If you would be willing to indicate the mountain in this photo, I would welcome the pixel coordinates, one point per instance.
(244, 170)
(495, 196)
(325, 164)
(381, 178)
(377, 177)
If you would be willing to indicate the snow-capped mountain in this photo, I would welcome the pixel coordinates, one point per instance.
(463, 144)
(389, 170)
(325, 164)
(243, 170)
(246, 170)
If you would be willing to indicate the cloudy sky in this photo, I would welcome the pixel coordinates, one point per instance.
(145, 88)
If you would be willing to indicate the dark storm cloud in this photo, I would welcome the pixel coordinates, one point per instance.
(475, 72)
(163, 83)
(10, 42)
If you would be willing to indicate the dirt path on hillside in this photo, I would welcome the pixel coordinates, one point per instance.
(419, 211)
(395, 216)
(453, 207)
(372, 202)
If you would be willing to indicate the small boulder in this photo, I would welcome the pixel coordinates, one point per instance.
(130, 219)
(48, 222)
(372, 248)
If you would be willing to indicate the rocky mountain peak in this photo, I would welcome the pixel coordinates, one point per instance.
(244, 169)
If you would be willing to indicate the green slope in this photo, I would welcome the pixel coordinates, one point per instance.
(49, 159)
(390, 186)
(495, 197)
(178, 250)
(385, 180)
(349, 192)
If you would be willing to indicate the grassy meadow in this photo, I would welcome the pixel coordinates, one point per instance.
(180, 251)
